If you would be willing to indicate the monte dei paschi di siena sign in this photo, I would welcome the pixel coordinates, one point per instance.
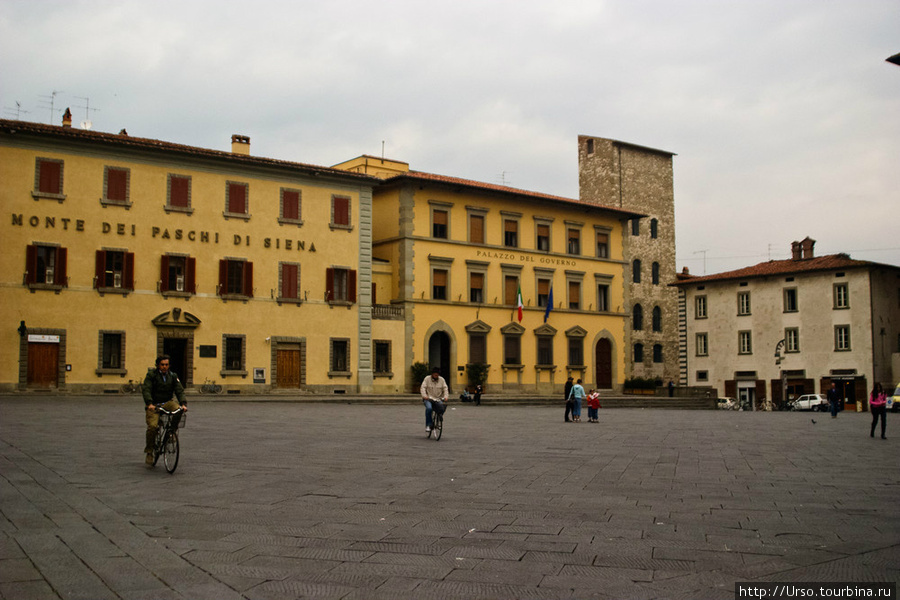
(162, 233)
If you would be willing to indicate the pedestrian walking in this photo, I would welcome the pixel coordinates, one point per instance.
(593, 401)
(878, 406)
(833, 399)
(577, 394)
(568, 400)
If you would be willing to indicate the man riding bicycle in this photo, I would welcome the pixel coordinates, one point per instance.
(159, 386)
(433, 389)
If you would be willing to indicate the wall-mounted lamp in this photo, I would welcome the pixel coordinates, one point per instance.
(22, 329)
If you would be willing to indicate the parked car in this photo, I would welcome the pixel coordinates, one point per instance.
(810, 402)
(893, 402)
(727, 403)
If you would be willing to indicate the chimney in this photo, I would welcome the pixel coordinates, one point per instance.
(240, 144)
(806, 247)
(795, 250)
(67, 118)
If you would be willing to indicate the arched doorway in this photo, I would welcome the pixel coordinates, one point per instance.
(439, 354)
(604, 364)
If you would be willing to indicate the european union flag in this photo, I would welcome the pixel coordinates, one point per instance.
(549, 305)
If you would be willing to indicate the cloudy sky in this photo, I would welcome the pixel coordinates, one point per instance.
(783, 114)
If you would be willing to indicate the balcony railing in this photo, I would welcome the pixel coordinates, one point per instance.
(390, 312)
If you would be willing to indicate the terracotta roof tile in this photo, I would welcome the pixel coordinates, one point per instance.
(784, 267)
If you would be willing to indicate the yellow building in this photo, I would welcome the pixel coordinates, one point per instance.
(462, 254)
(249, 271)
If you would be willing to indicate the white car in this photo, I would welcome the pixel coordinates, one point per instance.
(727, 404)
(810, 402)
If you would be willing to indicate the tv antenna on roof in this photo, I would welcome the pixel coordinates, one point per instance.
(503, 180)
(52, 99)
(86, 124)
(18, 110)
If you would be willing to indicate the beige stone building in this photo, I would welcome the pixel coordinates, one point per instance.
(783, 328)
(640, 179)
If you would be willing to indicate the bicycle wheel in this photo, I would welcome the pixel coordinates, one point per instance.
(217, 389)
(438, 426)
(158, 444)
(170, 451)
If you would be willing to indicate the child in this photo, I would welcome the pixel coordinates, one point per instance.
(593, 401)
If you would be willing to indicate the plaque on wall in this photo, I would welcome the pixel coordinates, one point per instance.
(207, 351)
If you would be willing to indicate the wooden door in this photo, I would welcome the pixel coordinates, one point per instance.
(288, 365)
(604, 364)
(43, 365)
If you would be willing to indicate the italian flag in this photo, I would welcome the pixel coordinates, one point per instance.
(519, 304)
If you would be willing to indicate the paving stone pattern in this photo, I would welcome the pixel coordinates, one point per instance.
(281, 500)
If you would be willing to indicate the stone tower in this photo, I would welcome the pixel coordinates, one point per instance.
(639, 179)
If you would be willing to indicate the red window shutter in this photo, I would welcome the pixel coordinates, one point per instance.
(30, 264)
(164, 273)
(223, 277)
(341, 210)
(288, 281)
(49, 181)
(100, 269)
(329, 284)
(61, 276)
(290, 205)
(351, 286)
(190, 270)
(116, 184)
(179, 188)
(248, 279)
(237, 198)
(128, 271)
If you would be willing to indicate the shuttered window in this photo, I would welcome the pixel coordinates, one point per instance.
(476, 229)
(340, 214)
(236, 202)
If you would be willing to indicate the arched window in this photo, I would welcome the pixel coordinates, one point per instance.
(657, 319)
(654, 273)
(638, 317)
(653, 228)
(657, 353)
(636, 270)
(638, 353)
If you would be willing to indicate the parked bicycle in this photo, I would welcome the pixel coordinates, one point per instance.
(210, 387)
(437, 419)
(166, 444)
(132, 387)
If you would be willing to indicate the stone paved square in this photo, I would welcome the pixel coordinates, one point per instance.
(282, 500)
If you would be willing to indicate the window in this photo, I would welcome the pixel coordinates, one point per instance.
(476, 229)
(439, 224)
(589, 146)
(637, 317)
(654, 273)
(841, 338)
(573, 241)
(790, 300)
(237, 199)
(45, 266)
(116, 186)
(112, 352)
(290, 206)
(48, 179)
(702, 344)
(178, 197)
(574, 295)
(340, 285)
(114, 270)
(234, 356)
(476, 288)
(636, 270)
(340, 357)
(543, 294)
(543, 237)
(544, 350)
(382, 358)
(638, 353)
(512, 349)
(654, 227)
(792, 339)
(657, 353)
(477, 348)
(657, 318)
(602, 297)
(702, 375)
(700, 307)
(340, 212)
(635, 227)
(510, 233)
(439, 284)
(510, 289)
(235, 277)
(602, 244)
(841, 295)
(177, 273)
(289, 282)
(576, 351)
(743, 303)
(745, 342)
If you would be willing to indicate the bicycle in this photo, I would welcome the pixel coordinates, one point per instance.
(131, 387)
(166, 444)
(437, 419)
(210, 387)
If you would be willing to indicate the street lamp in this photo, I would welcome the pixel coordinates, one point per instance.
(781, 373)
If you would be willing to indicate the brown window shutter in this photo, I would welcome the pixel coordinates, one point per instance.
(288, 281)
(237, 198)
(223, 277)
(50, 177)
(543, 231)
(116, 184)
(190, 271)
(477, 229)
(440, 217)
(512, 286)
(164, 273)
(248, 279)
(440, 278)
(477, 281)
(291, 205)
(543, 287)
(341, 210)
(100, 269)
(30, 264)
(128, 271)
(351, 286)
(329, 284)
(179, 195)
(61, 276)
(510, 226)
(374, 301)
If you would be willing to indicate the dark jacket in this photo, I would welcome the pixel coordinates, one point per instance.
(569, 386)
(156, 391)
